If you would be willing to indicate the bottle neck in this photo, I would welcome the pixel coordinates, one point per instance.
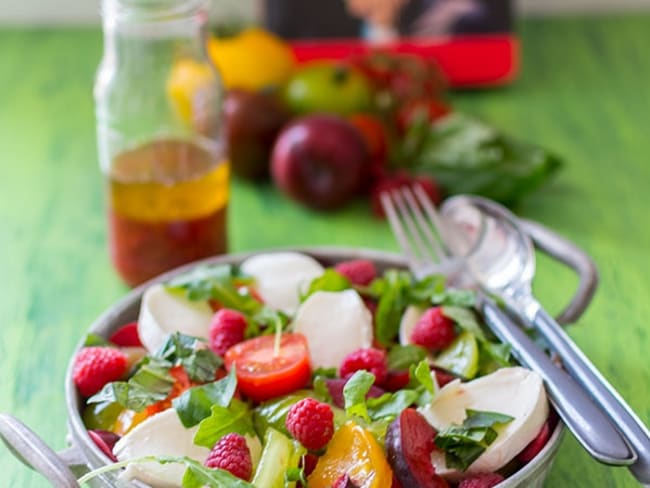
(129, 23)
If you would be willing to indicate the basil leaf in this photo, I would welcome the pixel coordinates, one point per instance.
(466, 320)
(151, 383)
(197, 284)
(478, 418)
(330, 280)
(224, 420)
(466, 155)
(390, 404)
(465, 443)
(200, 363)
(354, 394)
(422, 291)
(493, 356)
(402, 357)
(421, 381)
(455, 298)
(96, 340)
(195, 404)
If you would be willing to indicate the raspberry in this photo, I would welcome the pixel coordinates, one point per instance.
(483, 480)
(232, 454)
(370, 359)
(358, 271)
(433, 330)
(96, 366)
(126, 336)
(311, 423)
(226, 329)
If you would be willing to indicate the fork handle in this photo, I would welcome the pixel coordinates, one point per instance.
(589, 424)
(585, 373)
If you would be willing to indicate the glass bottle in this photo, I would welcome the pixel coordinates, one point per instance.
(158, 107)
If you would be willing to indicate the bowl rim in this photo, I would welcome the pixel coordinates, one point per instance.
(104, 323)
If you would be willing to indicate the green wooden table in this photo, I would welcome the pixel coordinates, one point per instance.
(584, 91)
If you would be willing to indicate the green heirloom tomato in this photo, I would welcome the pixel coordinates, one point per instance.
(326, 86)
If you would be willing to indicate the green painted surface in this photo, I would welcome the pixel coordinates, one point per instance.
(584, 92)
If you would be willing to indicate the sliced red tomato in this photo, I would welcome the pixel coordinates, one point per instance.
(126, 336)
(263, 374)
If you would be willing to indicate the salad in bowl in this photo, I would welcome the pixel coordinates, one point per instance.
(282, 370)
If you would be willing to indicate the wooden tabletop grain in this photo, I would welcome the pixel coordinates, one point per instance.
(584, 92)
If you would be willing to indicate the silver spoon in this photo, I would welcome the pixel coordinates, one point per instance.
(501, 257)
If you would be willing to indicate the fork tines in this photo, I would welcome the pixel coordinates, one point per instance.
(416, 225)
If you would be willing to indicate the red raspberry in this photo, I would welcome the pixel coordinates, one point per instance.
(358, 271)
(226, 329)
(433, 330)
(126, 336)
(482, 480)
(95, 366)
(370, 359)
(311, 423)
(232, 454)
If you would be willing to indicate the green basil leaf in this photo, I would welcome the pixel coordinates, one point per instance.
(354, 394)
(330, 280)
(391, 404)
(151, 383)
(195, 404)
(200, 363)
(478, 418)
(96, 340)
(224, 420)
(402, 357)
(465, 318)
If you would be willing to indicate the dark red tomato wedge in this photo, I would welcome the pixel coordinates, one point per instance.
(262, 374)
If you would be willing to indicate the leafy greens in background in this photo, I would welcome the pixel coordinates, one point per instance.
(466, 155)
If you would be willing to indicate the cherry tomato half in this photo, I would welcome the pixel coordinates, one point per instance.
(262, 374)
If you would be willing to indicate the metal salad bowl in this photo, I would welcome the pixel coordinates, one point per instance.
(63, 468)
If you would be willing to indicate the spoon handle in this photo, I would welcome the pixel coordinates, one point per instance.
(585, 373)
(591, 427)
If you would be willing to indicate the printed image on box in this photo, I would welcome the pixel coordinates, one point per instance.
(472, 40)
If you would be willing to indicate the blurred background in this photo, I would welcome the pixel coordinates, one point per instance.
(87, 12)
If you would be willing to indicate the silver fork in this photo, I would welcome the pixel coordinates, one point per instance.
(417, 228)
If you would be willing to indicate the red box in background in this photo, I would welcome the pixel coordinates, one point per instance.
(472, 41)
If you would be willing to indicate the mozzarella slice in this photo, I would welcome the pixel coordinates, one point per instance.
(162, 313)
(280, 277)
(516, 391)
(410, 317)
(161, 434)
(335, 324)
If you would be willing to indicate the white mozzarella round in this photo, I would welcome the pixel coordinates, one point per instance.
(281, 276)
(163, 313)
(161, 434)
(515, 391)
(335, 324)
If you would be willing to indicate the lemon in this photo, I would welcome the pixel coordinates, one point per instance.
(187, 79)
(252, 60)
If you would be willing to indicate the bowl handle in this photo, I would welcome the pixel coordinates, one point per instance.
(575, 258)
(34, 453)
